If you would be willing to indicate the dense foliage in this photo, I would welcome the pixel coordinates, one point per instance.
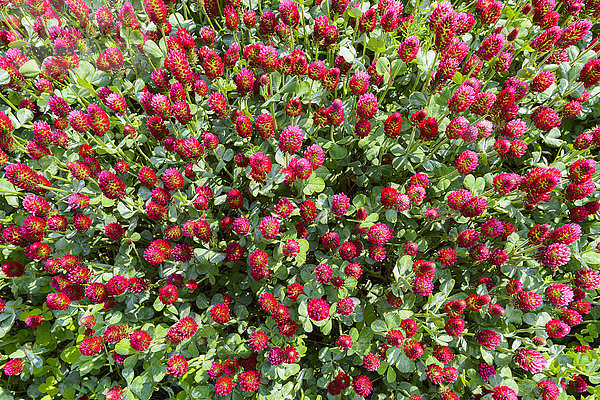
(299, 200)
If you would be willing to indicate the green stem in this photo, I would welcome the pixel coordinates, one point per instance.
(429, 75)
(131, 52)
(389, 84)
(9, 103)
(432, 152)
(53, 189)
(11, 192)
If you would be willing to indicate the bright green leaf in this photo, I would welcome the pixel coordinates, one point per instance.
(30, 69)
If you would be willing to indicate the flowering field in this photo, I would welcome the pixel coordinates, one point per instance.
(299, 199)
